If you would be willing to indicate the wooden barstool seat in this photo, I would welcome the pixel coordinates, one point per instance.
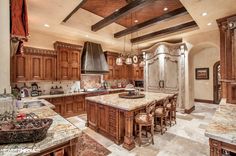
(145, 120)
(161, 113)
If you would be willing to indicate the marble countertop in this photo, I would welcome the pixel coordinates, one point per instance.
(223, 125)
(127, 104)
(60, 131)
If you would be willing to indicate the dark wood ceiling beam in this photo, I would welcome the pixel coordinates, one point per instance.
(134, 5)
(162, 32)
(168, 16)
(74, 11)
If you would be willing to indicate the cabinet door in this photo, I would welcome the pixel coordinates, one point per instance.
(79, 104)
(75, 65)
(70, 106)
(64, 59)
(141, 73)
(20, 68)
(113, 121)
(49, 69)
(171, 73)
(59, 105)
(36, 65)
(103, 118)
(152, 74)
(92, 113)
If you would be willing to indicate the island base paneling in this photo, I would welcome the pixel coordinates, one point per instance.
(113, 123)
(217, 148)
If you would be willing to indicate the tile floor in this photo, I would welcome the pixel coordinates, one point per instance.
(186, 138)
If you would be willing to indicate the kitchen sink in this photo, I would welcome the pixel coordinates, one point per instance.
(33, 104)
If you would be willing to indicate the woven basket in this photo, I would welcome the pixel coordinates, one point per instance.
(37, 132)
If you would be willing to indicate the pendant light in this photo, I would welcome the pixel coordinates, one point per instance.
(119, 59)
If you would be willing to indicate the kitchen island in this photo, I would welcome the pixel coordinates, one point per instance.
(222, 130)
(61, 138)
(113, 116)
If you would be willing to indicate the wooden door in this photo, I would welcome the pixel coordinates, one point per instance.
(36, 67)
(111, 64)
(20, 68)
(75, 65)
(103, 118)
(49, 68)
(64, 67)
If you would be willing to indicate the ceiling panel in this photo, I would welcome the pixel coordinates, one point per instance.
(104, 8)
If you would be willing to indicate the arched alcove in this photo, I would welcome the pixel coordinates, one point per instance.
(202, 55)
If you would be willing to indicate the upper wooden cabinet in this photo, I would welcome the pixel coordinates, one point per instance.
(68, 61)
(20, 68)
(35, 65)
(116, 72)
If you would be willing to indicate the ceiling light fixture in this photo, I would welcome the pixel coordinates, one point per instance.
(116, 10)
(204, 13)
(209, 24)
(165, 9)
(46, 25)
(135, 21)
(86, 35)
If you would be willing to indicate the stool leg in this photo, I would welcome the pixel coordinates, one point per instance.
(161, 124)
(140, 134)
(152, 133)
(170, 118)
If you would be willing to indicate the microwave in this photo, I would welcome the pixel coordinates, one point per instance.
(138, 83)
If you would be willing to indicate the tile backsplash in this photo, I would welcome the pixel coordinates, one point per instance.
(87, 81)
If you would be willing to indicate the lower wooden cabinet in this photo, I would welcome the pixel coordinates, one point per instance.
(105, 120)
(69, 105)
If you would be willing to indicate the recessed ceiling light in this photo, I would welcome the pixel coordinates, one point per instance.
(165, 9)
(117, 10)
(204, 13)
(209, 24)
(135, 21)
(87, 35)
(46, 25)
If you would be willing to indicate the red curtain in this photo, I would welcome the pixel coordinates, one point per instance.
(19, 19)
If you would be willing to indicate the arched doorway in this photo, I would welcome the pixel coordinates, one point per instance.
(216, 82)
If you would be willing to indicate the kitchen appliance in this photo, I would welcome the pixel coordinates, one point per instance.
(93, 59)
(138, 83)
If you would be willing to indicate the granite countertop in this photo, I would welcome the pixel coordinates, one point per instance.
(223, 125)
(127, 104)
(60, 131)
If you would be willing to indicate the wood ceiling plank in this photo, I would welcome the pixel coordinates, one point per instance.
(74, 11)
(162, 32)
(173, 14)
(120, 13)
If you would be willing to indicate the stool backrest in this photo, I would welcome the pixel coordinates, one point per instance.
(150, 108)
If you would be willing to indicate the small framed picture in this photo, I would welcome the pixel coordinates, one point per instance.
(202, 73)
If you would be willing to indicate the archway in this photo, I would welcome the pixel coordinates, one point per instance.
(203, 55)
(216, 82)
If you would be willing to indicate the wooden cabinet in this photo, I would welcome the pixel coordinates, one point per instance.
(124, 71)
(35, 65)
(228, 57)
(137, 72)
(20, 68)
(68, 61)
(49, 66)
(69, 105)
(104, 119)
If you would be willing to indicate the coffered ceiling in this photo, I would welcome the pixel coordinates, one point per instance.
(78, 26)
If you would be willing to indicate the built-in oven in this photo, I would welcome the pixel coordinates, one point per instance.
(138, 83)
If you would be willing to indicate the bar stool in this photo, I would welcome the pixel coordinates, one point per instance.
(172, 114)
(161, 113)
(145, 120)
